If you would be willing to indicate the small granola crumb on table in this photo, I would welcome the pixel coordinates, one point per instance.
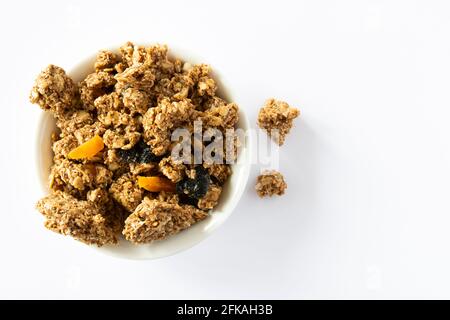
(276, 117)
(270, 183)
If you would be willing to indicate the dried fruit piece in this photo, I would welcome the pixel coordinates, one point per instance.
(88, 149)
(195, 188)
(147, 155)
(140, 153)
(156, 184)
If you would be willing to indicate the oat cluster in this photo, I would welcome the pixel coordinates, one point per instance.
(133, 100)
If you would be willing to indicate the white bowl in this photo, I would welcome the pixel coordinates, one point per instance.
(232, 191)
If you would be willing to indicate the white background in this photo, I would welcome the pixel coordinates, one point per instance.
(367, 212)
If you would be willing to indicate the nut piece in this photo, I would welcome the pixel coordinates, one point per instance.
(82, 220)
(277, 116)
(270, 183)
(155, 220)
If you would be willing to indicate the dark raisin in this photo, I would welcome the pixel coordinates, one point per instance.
(128, 155)
(184, 199)
(182, 186)
(140, 152)
(147, 155)
(195, 188)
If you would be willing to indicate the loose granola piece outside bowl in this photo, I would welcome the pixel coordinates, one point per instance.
(231, 193)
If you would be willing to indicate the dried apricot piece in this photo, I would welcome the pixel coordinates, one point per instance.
(156, 184)
(88, 149)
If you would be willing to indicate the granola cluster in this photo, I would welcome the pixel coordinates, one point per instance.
(270, 183)
(133, 101)
(276, 118)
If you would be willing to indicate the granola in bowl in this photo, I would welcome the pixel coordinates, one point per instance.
(114, 175)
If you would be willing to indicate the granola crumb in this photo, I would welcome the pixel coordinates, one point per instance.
(277, 115)
(270, 183)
